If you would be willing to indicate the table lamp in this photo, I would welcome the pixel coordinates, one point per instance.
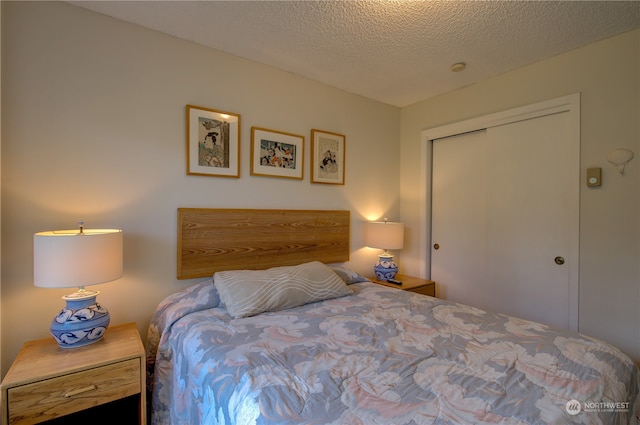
(385, 235)
(78, 258)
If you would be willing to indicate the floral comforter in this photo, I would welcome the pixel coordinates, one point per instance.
(379, 356)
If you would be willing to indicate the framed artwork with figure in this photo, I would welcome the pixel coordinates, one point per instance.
(276, 153)
(327, 157)
(213, 142)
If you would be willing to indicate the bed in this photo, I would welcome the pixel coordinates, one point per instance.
(244, 346)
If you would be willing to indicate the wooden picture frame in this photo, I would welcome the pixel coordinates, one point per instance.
(276, 154)
(327, 157)
(213, 142)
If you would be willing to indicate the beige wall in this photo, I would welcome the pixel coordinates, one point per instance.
(607, 76)
(93, 114)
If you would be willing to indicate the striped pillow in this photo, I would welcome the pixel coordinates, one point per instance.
(249, 292)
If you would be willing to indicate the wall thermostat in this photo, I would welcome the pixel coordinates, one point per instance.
(594, 177)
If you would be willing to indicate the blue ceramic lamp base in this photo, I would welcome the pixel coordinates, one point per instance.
(385, 268)
(81, 322)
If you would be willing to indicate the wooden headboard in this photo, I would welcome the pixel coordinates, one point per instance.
(211, 240)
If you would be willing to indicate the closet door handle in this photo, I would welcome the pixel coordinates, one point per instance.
(559, 260)
(436, 246)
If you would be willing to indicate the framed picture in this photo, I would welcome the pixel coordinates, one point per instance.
(213, 142)
(276, 154)
(327, 157)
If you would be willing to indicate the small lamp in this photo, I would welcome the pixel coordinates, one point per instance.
(620, 158)
(385, 235)
(78, 258)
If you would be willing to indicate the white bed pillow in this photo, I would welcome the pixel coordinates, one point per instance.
(249, 292)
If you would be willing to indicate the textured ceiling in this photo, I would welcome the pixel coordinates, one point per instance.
(397, 52)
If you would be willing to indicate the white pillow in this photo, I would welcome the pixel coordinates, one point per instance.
(249, 292)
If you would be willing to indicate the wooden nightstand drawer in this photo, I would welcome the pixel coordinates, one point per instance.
(425, 290)
(51, 398)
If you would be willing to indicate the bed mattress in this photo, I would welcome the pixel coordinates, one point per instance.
(378, 356)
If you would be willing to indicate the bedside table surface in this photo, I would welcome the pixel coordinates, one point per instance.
(408, 282)
(42, 359)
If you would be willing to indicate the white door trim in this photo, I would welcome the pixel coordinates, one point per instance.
(570, 104)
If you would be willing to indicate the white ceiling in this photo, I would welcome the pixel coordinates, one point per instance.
(395, 51)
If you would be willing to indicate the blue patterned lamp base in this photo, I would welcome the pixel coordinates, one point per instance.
(81, 322)
(385, 268)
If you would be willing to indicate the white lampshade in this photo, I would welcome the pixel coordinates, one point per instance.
(71, 258)
(385, 235)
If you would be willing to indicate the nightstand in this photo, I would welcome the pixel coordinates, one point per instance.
(46, 382)
(412, 284)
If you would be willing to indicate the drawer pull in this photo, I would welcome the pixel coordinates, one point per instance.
(80, 391)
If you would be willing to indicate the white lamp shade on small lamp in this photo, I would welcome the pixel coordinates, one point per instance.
(68, 258)
(78, 258)
(386, 235)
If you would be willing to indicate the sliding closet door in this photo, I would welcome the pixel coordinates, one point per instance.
(458, 217)
(528, 220)
(501, 218)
